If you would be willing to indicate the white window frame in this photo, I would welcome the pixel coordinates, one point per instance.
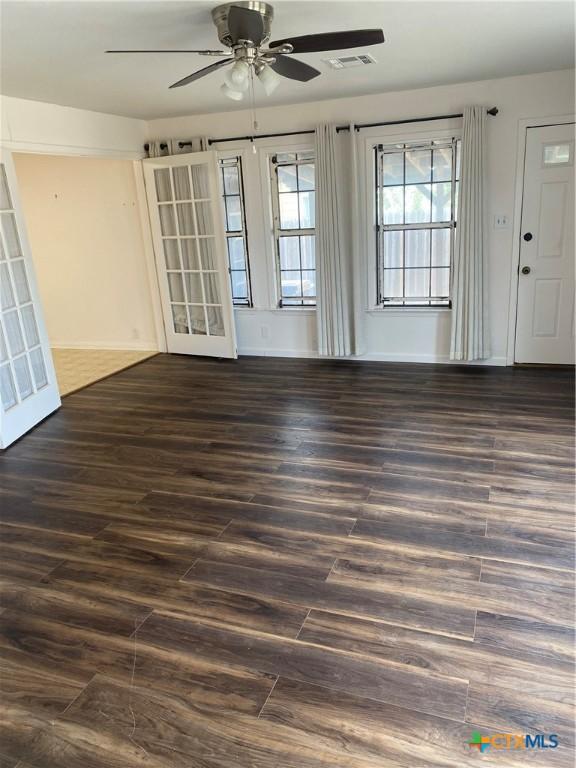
(277, 232)
(366, 141)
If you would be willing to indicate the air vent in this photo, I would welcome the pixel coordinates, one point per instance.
(344, 62)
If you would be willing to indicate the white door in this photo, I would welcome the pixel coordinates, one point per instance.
(28, 387)
(545, 315)
(190, 249)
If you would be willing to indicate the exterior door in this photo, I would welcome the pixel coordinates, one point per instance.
(190, 250)
(545, 314)
(28, 387)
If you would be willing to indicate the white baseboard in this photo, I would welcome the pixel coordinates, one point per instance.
(370, 357)
(130, 346)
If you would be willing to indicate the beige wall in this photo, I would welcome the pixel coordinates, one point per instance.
(86, 239)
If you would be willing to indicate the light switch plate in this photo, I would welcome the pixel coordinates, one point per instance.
(500, 221)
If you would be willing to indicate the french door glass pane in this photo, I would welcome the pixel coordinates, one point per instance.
(175, 286)
(7, 388)
(207, 249)
(171, 255)
(185, 219)
(167, 222)
(215, 321)
(38, 368)
(13, 332)
(21, 281)
(163, 188)
(204, 216)
(181, 179)
(30, 327)
(11, 235)
(211, 288)
(6, 292)
(180, 318)
(5, 201)
(193, 288)
(200, 182)
(189, 254)
(197, 320)
(23, 378)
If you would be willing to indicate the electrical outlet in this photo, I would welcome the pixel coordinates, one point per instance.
(500, 221)
(264, 331)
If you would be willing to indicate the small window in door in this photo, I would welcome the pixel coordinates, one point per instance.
(558, 154)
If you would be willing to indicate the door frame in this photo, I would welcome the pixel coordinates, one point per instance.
(523, 125)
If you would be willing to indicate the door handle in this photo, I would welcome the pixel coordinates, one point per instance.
(528, 236)
(526, 270)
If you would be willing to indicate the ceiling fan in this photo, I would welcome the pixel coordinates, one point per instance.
(245, 28)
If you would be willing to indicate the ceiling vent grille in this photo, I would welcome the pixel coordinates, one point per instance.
(344, 62)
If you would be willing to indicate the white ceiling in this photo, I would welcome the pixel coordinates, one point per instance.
(54, 51)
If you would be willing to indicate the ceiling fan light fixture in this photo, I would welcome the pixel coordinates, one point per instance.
(269, 79)
(231, 93)
(239, 76)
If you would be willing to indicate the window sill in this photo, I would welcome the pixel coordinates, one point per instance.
(403, 311)
(281, 310)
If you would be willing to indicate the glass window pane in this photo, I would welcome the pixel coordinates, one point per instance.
(306, 177)
(21, 281)
(204, 216)
(197, 321)
(418, 166)
(289, 210)
(200, 182)
(442, 164)
(441, 247)
(5, 202)
(163, 188)
(13, 332)
(291, 284)
(417, 282)
(207, 250)
(236, 258)
(308, 251)
(393, 249)
(441, 201)
(193, 288)
(185, 219)
(3, 348)
(7, 388)
(307, 209)
(181, 179)
(6, 292)
(233, 214)
(458, 153)
(418, 204)
(2, 253)
(11, 235)
(239, 285)
(175, 286)
(30, 327)
(393, 204)
(231, 180)
(309, 282)
(38, 368)
(440, 287)
(189, 254)
(555, 154)
(393, 168)
(417, 248)
(171, 256)
(167, 222)
(23, 378)
(215, 321)
(211, 290)
(393, 283)
(180, 318)
(286, 157)
(308, 155)
(287, 178)
(289, 253)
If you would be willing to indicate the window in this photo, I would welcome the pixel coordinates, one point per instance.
(235, 225)
(293, 204)
(416, 200)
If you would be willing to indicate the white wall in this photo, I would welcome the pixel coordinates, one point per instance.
(87, 246)
(390, 334)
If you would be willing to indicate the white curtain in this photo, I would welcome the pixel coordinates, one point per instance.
(470, 332)
(334, 313)
(164, 147)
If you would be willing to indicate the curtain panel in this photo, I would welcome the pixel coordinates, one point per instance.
(470, 331)
(334, 313)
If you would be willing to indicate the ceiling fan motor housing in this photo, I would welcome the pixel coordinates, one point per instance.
(220, 18)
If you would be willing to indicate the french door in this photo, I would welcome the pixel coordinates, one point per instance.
(190, 250)
(28, 387)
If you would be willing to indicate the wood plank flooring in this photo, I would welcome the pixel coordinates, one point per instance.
(273, 563)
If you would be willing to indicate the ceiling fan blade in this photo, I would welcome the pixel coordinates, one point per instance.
(294, 68)
(203, 52)
(244, 24)
(201, 73)
(332, 41)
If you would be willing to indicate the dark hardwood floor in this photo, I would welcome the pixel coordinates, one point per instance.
(276, 563)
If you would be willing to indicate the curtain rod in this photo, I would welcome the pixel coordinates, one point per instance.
(492, 111)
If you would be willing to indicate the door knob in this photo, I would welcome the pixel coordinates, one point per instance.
(525, 270)
(528, 236)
